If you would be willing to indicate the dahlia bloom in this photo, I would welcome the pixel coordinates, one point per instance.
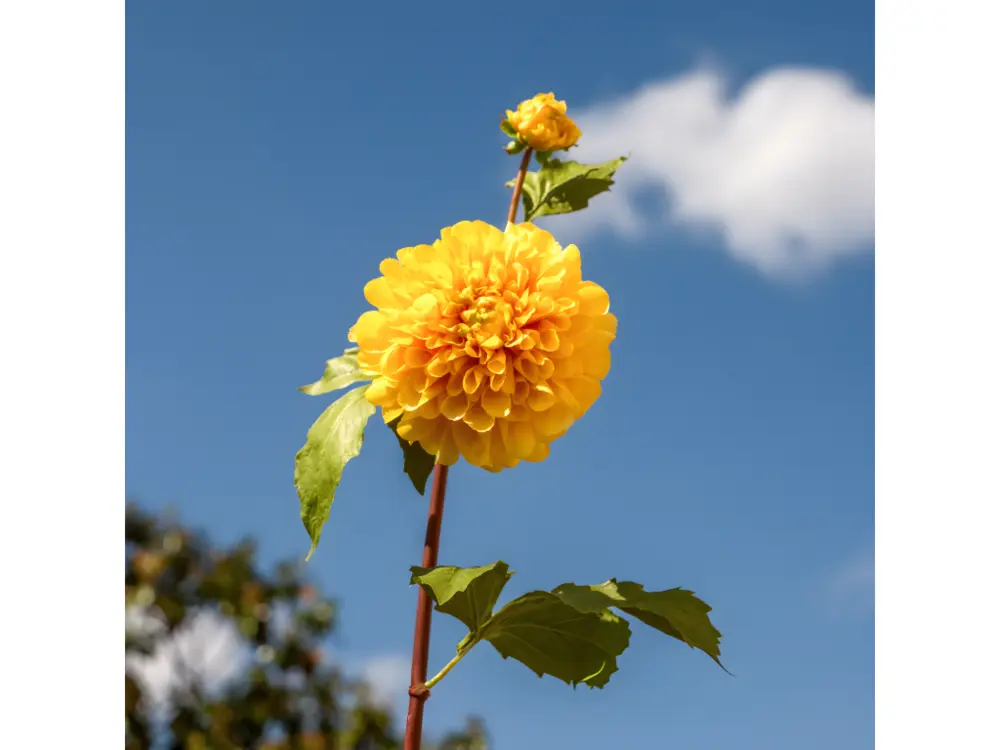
(487, 344)
(542, 123)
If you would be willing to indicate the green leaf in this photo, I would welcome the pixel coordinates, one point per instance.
(340, 372)
(417, 463)
(508, 129)
(512, 148)
(562, 187)
(676, 612)
(569, 632)
(333, 440)
(466, 593)
(550, 635)
(542, 157)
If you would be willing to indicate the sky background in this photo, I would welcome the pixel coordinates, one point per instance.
(276, 152)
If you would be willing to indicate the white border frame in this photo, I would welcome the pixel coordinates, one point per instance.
(62, 316)
(937, 374)
(937, 411)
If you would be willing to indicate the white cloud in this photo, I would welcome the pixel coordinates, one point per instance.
(207, 649)
(783, 171)
(388, 678)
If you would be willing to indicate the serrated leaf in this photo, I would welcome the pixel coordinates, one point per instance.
(417, 463)
(466, 593)
(340, 372)
(507, 128)
(549, 635)
(676, 612)
(333, 440)
(562, 187)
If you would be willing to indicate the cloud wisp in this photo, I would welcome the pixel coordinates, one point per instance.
(782, 171)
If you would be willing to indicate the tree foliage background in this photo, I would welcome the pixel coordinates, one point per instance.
(287, 696)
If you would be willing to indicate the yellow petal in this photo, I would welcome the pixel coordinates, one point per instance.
(555, 420)
(541, 398)
(409, 392)
(455, 407)
(540, 453)
(498, 363)
(549, 341)
(597, 362)
(521, 439)
(447, 453)
(416, 356)
(380, 294)
(585, 390)
(593, 299)
(380, 393)
(496, 403)
(413, 428)
(472, 379)
(546, 368)
(526, 367)
(430, 408)
(473, 445)
(455, 383)
(371, 331)
(438, 367)
(522, 390)
(477, 418)
(425, 304)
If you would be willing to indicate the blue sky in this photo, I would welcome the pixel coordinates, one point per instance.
(278, 151)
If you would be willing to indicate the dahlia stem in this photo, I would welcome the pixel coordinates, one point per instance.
(422, 630)
(518, 184)
(419, 686)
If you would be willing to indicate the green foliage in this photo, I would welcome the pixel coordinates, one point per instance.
(466, 593)
(676, 612)
(562, 187)
(549, 635)
(417, 463)
(289, 689)
(569, 632)
(340, 372)
(333, 440)
(515, 147)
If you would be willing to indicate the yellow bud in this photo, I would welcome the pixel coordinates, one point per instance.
(542, 123)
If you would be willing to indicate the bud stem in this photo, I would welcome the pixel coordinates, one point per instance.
(518, 184)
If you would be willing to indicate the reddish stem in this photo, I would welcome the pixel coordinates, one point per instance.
(422, 629)
(518, 184)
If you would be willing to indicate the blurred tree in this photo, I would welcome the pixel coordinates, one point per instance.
(268, 687)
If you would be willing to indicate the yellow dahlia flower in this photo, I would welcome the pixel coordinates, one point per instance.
(487, 344)
(542, 123)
